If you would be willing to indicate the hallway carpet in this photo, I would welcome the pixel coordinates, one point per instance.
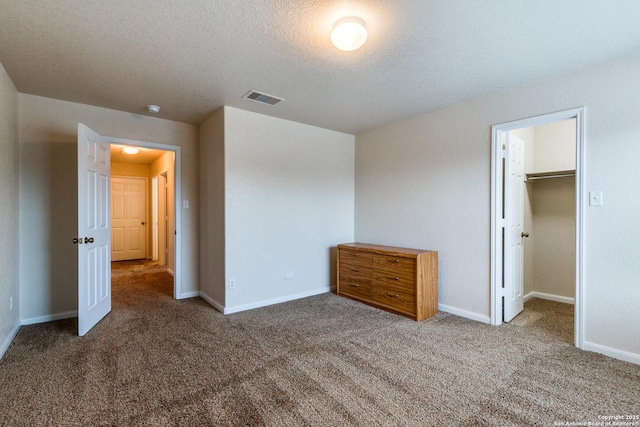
(321, 361)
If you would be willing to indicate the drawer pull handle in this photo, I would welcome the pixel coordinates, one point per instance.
(390, 295)
(395, 261)
(393, 278)
(356, 254)
(355, 285)
(357, 270)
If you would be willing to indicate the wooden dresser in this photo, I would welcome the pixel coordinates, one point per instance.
(400, 280)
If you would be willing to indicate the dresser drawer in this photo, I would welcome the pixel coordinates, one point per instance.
(355, 271)
(403, 282)
(355, 257)
(356, 288)
(395, 298)
(395, 265)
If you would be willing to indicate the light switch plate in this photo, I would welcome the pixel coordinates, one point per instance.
(185, 204)
(595, 198)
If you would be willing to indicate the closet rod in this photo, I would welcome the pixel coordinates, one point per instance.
(547, 175)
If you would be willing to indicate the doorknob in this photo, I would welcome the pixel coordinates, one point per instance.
(525, 234)
(88, 239)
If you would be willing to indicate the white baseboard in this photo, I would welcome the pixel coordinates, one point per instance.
(464, 313)
(550, 297)
(189, 295)
(50, 318)
(258, 304)
(612, 352)
(7, 342)
(215, 304)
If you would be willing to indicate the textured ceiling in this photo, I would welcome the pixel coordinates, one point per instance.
(191, 57)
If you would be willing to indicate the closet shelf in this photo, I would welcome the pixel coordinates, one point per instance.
(547, 175)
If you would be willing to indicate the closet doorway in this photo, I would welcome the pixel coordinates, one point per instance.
(537, 214)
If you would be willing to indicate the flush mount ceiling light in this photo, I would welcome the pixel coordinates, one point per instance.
(130, 150)
(154, 109)
(349, 33)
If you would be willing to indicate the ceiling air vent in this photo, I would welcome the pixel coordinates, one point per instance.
(262, 98)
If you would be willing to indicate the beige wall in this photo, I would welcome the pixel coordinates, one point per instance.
(287, 193)
(130, 169)
(212, 208)
(289, 197)
(554, 225)
(425, 182)
(555, 148)
(48, 205)
(9, 242)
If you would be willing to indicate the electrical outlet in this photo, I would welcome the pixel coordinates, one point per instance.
(232, 283)
(288, 275)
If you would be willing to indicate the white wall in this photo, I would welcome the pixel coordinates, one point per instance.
(48, 187)
(425, 182)
(9, 242)
(289, 200)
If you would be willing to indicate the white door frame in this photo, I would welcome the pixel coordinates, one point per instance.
(496, 211)
(154, 218)
(163, 221)
(177, 280)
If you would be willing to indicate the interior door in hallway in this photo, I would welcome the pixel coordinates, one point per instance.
(94, 253)
(128, 218)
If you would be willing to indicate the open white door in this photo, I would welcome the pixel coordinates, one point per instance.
(514, 218)
(94, 253)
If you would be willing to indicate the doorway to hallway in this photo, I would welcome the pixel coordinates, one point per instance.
(94, 218)
(143, 205)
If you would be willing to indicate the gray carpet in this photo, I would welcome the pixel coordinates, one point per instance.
(324, 361)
